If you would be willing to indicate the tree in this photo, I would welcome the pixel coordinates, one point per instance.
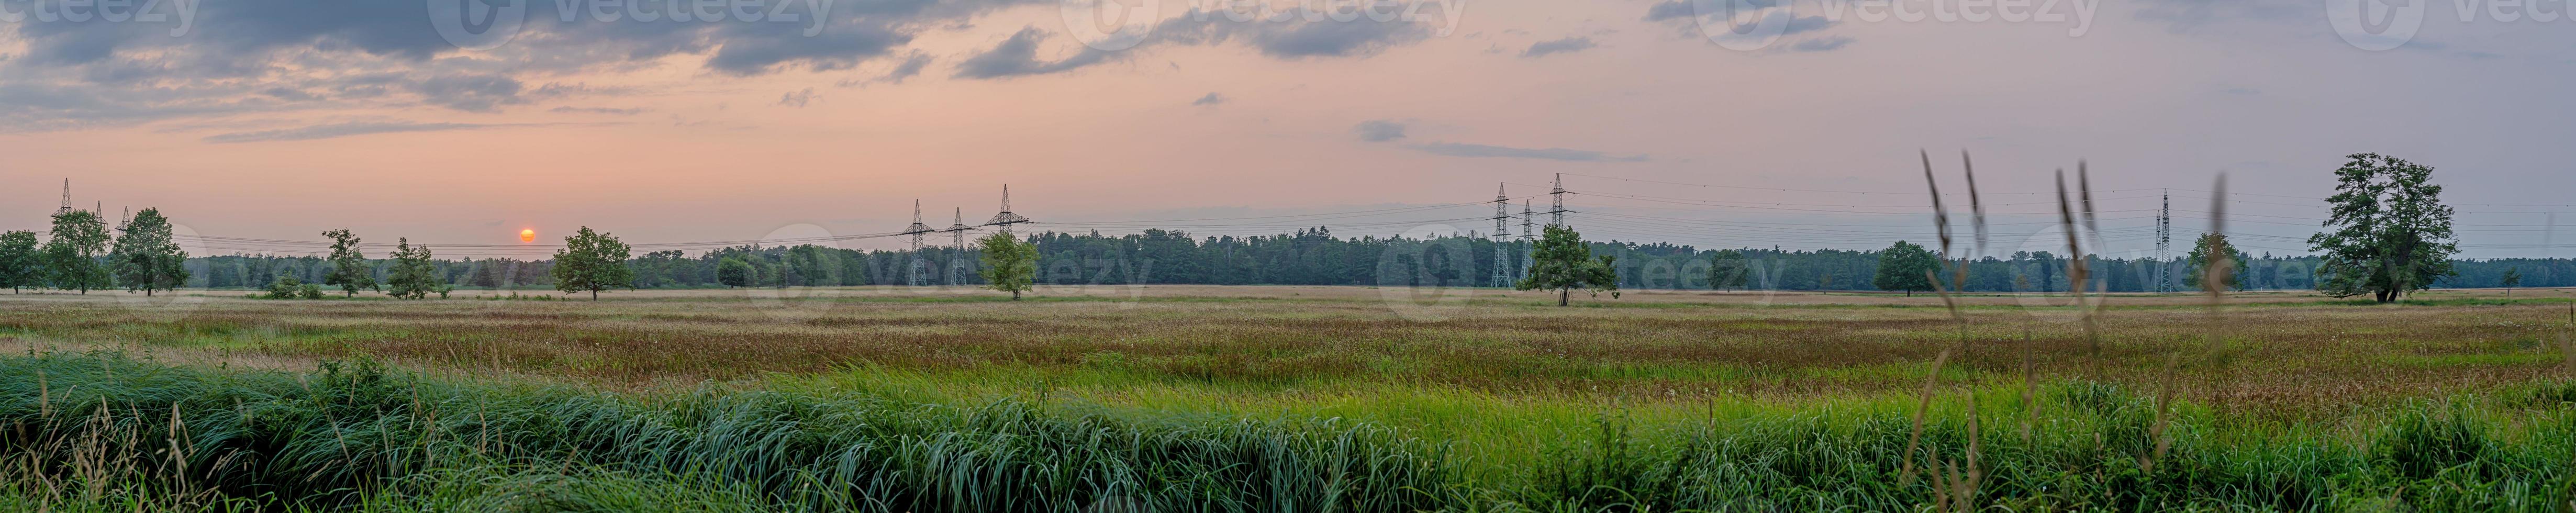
(593, 262)
(21, 264)
(349, 267)
(413, 275)
(2215, 244)
(733, 272)
(1907, 267)
(145, 258)
(2512, 278)
(2390, 235)
(72, 256)
(1009, 265)
(1728, 270)
(1562, 262)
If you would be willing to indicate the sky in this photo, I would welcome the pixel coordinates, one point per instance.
(1801, 124)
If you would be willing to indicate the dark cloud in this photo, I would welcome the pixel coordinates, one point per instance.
(1379, 130)
(307, 133)
(281, 54)
(1570, 44)
(1210, 99)
(1488, 151)
(1821, 44)
(1018, 56)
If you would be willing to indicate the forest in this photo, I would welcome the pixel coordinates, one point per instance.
(1316, 257)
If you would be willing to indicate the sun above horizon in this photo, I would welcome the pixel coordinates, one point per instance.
(527, 235)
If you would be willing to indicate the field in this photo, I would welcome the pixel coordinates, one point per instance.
(1205, 398)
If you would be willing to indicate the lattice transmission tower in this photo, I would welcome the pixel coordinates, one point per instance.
(2164, 245)
(1556, 214)
(67, 198)
(1528, 218)
(1502, 274)
(957, 260)
(917, 229)
(1005, 219)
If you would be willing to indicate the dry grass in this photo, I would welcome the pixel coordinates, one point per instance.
(1653, 346)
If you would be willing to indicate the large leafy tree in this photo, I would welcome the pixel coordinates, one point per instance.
(1729, 270)
(1905, 266)
(1562, 262)
(145, 258)
(413, 275)
(22, 265)
(2388, 234)
(1009, 265)
(349, 267)
(72, 255)
(593, 262)
(2216, 244)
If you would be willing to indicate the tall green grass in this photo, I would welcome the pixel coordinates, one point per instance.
(107, 432)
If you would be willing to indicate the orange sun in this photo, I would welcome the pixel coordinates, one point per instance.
(527, 235)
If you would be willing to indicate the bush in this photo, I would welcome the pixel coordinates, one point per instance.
(286, 287)
(311, 291)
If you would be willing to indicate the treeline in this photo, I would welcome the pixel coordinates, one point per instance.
(1316, 257)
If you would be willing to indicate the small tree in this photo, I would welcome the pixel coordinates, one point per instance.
(413, 275)
(349, 267)
(2512, 278)
(1562, 262)
(2215, 244)
(21, 264)
(145, 258)
(592, 262)
(1009, 264)
(1728, 270)
(72, 256)
(1907, 267)
(733, 272)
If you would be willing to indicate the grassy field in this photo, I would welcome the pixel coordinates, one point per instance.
(1193, 398)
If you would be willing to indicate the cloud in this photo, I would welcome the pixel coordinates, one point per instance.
(1210, 99)
(274, 55)
(598, 110)
(308, 133)
(796, 98)
(1296, 38)
(1489, 151)
(1379, 130)
(475, 93)
(1017, 56)
(1821, 44)
(1567, 45)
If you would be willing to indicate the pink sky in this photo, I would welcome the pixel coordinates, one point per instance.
(244, 129)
